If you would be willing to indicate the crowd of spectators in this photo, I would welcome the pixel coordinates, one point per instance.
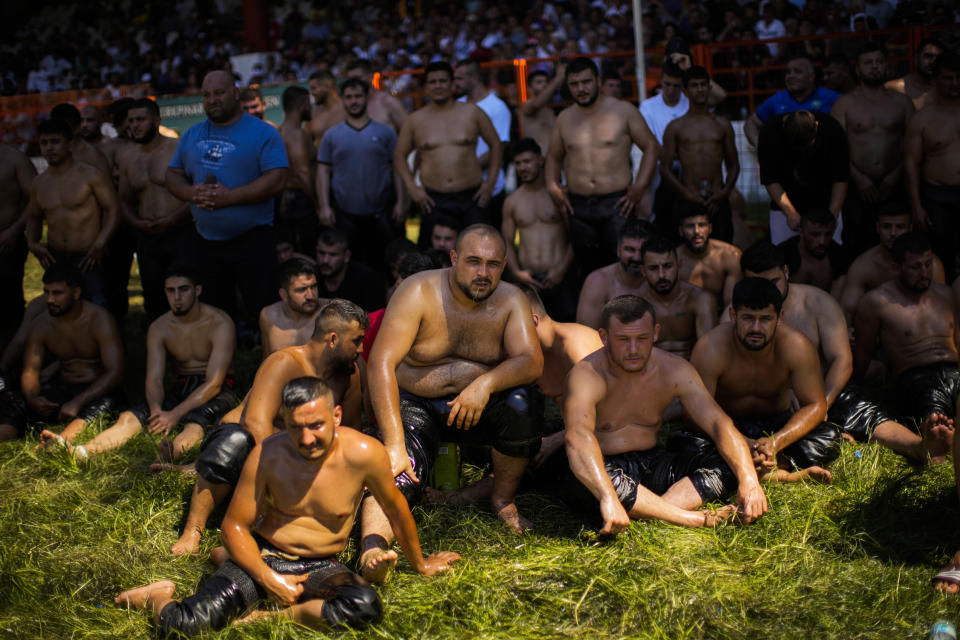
(171, 44)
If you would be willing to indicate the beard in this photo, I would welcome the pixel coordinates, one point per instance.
(632, 267)
(184, 311)
(754, 346)
(873, 82)
(147, 137)
(474, 293)
(589, 101)
(664, 287)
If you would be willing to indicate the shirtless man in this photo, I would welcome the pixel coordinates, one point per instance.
(876, 265)
(291, 514)
(613, 405)
(200, 339)
(875, 119)
(81, 150)
(813, 255)
(91, 119)
(290, 321)
(161, 221)
(705, 144)
(817, 315)
(685, 312)
(85, 340)
(711, 264)
(544, 255)
(622, 277)
(933, 163)
(297, 205)
(444, 133)
(917, 84)
(16, 176)
(591, 144)
(381, 106)
(331, 354)
(453, 361)
(327, 105)
(914, 319)
(756, 367)
(80, 207)
(537, 116)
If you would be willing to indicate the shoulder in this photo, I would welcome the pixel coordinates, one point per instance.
(599, 277)
(161, 326)
(99, 317)
(793, 343)
(727, 252)
(219, 316)
(359, 449)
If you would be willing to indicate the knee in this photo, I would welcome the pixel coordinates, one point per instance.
(223, 454)
(354, 606)
(8, 432)
(522, 424)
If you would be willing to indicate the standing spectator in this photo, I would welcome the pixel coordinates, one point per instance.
(357, 189)
(770, 27)
(229, 167)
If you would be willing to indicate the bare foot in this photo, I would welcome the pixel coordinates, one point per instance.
(219, 556)
(256, 614)
(165, 450)
(948, 587)
(937, 430)
(476, 492)
(847, 437)
(817, 474)
(376, 564)
(713, 517)
(189, 543)
(512, 518)
(186, 469)
(143, 597)
(49, 441)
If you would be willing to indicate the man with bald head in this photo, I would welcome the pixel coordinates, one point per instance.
(229, 167)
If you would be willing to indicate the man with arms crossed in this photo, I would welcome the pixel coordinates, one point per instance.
(84, 338)
(453, 361)
(711, 264)
(875, 119)
(290, 321)
(200, 339)
(622, 277)
(613, 405)
(591, 144)
(755, 366)
(544, 255)
(291, 515)
(686, 312)
(444, 133)
(80, 207)
(331, 354)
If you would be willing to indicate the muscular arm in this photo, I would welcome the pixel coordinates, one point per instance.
(731, 159)
(179, 186)
(553, 166)
(398, 112)
(912, 165)
(323, 194)
(524, 362)
(593, 296)
(127, 199)
(103, 191)
(835, 345)
(509, 229)
(539, 101)
(854, 289)
(838, 193)
(495, 154)
(705, 313)
(642, 137)
(223, 339)
(866, 332)
(263, 401)
(269, 184)
(751, 129)
(402, 150)
(668, 153)
(265, 326)
(301, 155)
(108, 338)
(156, 365)
(732, 277)
(807, 384)
(32, 362)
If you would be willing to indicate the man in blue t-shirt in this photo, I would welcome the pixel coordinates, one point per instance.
(229, 167)
(802, 93)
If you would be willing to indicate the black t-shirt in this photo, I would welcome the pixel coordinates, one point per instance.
(361, 285)
(836, 256)
(807, 176)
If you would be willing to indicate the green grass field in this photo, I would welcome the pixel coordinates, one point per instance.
(847, 560)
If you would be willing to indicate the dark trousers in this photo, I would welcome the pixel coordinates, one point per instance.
(460, 206)
(369, 235)
(155, 254)
(942, 204)
(11, 286)
(117, 260)
(247, 262)
(594, 229)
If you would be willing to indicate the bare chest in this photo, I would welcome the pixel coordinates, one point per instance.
(602, 130)
(476, 336)
(449, 129)
(66, 192)
(871, 116)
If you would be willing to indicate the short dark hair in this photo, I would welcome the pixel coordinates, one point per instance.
(893, 208)
(321, 74)
(870, 47)
(582, 64)
(334, 238)
(611, 74)
(840, 59)
(695, 73)
(293, 97)
(55, 127)
(439, 257)
(935, 41)
(799, 128)
(627, 308)
(818, 215)
(802, 56)
(438, 65)
(449, 222)
(473, 65)
(484, 230)
(145, 103)
(635, 229)
(535, 73)
(657, 244)
(359, 63)
(62, 272)
(182, 270)
(415, 262)
(756, 294)
(671, 69)
(536, 302)
(118, 110)
(293, 268)
(337, 313)
(355, 83)
(915, 242)
(68, 113)
(685, 209)
(396, 248)
(526, 144)
(250, 93)
(762, 256)
(946, 60)
(300, 391)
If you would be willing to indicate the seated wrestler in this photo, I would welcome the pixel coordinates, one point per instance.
(290, 516)
(200, 339)
(613, 404)
(813, 256)
(914, 319)
(289, 321)
(331, 354)
(453, 362)
(84, 338)
(755, 367)
(816, 314)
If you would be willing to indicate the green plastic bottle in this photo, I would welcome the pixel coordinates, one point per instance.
(446, 468)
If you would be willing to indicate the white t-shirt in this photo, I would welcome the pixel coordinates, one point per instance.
(658, 115)
(773, 30)
(499, 114)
